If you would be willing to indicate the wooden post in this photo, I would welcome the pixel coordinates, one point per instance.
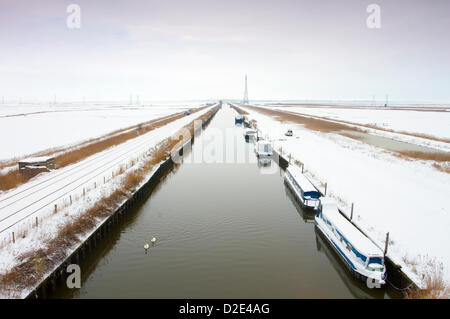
(303, 166)
(325, 192)
(104, 180)
(84, 192)
(289, 158)
(386, 245)
(351, 213)
(14, 238)
(36, 221)
(70, 199)
(95, 184)
(56, 208)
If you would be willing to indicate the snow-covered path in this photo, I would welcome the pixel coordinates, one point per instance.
(38, 197)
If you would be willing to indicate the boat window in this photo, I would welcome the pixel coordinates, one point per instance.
(376, 260)
(312, 194)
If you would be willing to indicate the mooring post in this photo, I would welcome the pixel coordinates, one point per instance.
(351, 213)
(386, 245)
(325, 192)
(70, 199)
(303, 166)
(14, 239)
(36, 221)
(56, 208)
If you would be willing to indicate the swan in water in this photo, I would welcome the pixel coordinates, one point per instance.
(153, 240)
(146, 246)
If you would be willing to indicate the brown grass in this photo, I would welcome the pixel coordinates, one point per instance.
(239, 110)
(309, 122)
(435, 285)
(34, 265)
(14, 177)
(442, 167)
(437, 157)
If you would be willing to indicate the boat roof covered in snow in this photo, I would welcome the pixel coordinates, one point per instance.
(356, 238)
(301, 179)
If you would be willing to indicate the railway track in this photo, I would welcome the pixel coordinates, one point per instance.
(24, 203)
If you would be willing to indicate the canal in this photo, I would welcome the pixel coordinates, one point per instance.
(224, 230)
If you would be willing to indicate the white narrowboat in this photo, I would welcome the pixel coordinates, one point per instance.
(263, 148)
(361, 256)
(305, 191)
(250, 135)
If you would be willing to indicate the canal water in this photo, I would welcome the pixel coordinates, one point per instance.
(391, 144)
(224, 230)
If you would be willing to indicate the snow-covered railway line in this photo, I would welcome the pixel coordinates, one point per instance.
(15, 213)
(55, 194)
(30, 187)
(25, 191)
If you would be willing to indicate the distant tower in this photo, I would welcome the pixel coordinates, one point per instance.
(245, 101)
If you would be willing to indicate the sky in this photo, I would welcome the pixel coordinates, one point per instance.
(193, 49)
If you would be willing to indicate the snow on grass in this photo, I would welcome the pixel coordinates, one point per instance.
(409, 199)
(431, 123)
(27, 129)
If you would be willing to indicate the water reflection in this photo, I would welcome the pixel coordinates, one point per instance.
(264, 162)
(307, 216)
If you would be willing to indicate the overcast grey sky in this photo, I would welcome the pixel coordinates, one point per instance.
(315, 49)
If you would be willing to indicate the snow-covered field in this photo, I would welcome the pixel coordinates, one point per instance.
(408, 199)
(30, 128)
(436, 124)
(93, 176)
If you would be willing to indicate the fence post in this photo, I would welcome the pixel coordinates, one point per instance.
(303, 165)
(14, 239)
(37, 221)
(70, 199)
(351, 213)
(84, 192)
(386, 245)
(56, 208)
(104, 180)
(325, 192)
